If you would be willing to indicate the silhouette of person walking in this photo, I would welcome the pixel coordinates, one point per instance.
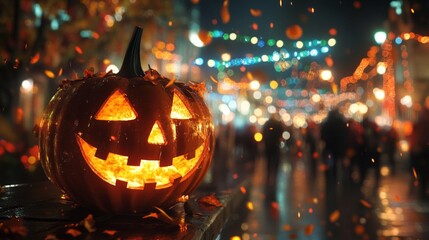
(272, 135)
(334, 135)
(371, 149)
(419, 154)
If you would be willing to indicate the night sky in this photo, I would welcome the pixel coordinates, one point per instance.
(355, 22)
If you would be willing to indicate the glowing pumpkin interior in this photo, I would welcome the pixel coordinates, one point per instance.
(149, 173)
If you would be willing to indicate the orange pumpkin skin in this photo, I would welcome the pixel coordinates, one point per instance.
(83, 152)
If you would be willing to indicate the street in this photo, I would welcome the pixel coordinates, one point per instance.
(307, 207)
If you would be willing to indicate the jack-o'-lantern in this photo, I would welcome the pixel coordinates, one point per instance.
(126, 142)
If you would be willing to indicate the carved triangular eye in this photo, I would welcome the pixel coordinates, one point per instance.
(116, 108)
(156, 135)
(179, 110)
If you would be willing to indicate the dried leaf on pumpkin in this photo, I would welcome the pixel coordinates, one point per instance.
(210, 200)
(73, 232)
(89, 223)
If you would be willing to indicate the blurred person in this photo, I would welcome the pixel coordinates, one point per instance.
(251, 146)
(390, 140)
(354, 148)
(333, 133)
(371, 149)
(272, 132)
(311, 139)
(419, 150)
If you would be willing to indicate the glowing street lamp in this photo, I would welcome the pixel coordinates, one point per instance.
(380, 37)
(254, 85)
(379, 93)
(406, 101)
(381, 68)
(326, 75)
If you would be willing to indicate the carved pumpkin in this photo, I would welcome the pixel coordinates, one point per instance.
(126, 142)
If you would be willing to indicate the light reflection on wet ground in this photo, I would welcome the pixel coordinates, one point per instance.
(305, 208)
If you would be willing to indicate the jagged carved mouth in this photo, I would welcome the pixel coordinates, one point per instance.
(148, 174)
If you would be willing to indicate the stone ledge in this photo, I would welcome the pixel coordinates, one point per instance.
(40, 210)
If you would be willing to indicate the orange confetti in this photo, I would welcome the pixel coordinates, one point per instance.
(78, 50)
(415, 173)
(335, 215)
(309, 229)
(250, 206)
(243, 190)
(365, 203)
(74, 232)
(255, 12)
(287, 227)
(35, 58)
(255, 26)
(224, 12)
(95, 35)
(213, 79)
(170, 82)
(60, 72)
(49, 74)
(210, 200)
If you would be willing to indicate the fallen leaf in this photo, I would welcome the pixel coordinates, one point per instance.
(73, 232)
(89, 223)
(210, 200)
(110, 232)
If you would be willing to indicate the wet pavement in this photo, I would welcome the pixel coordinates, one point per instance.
(307, 206)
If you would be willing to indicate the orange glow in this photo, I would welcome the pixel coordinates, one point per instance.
(294, 32)
(179, 109)
(115, 168)
(156, 135)
(116, 108)
(224, 12)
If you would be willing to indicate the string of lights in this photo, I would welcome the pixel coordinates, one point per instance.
(276, 56)
(260, 42)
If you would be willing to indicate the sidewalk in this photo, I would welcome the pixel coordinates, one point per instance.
(307, 209)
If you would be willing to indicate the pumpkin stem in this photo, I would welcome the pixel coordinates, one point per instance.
(131, 66)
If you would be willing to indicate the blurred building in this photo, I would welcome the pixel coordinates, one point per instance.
(409, 21)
